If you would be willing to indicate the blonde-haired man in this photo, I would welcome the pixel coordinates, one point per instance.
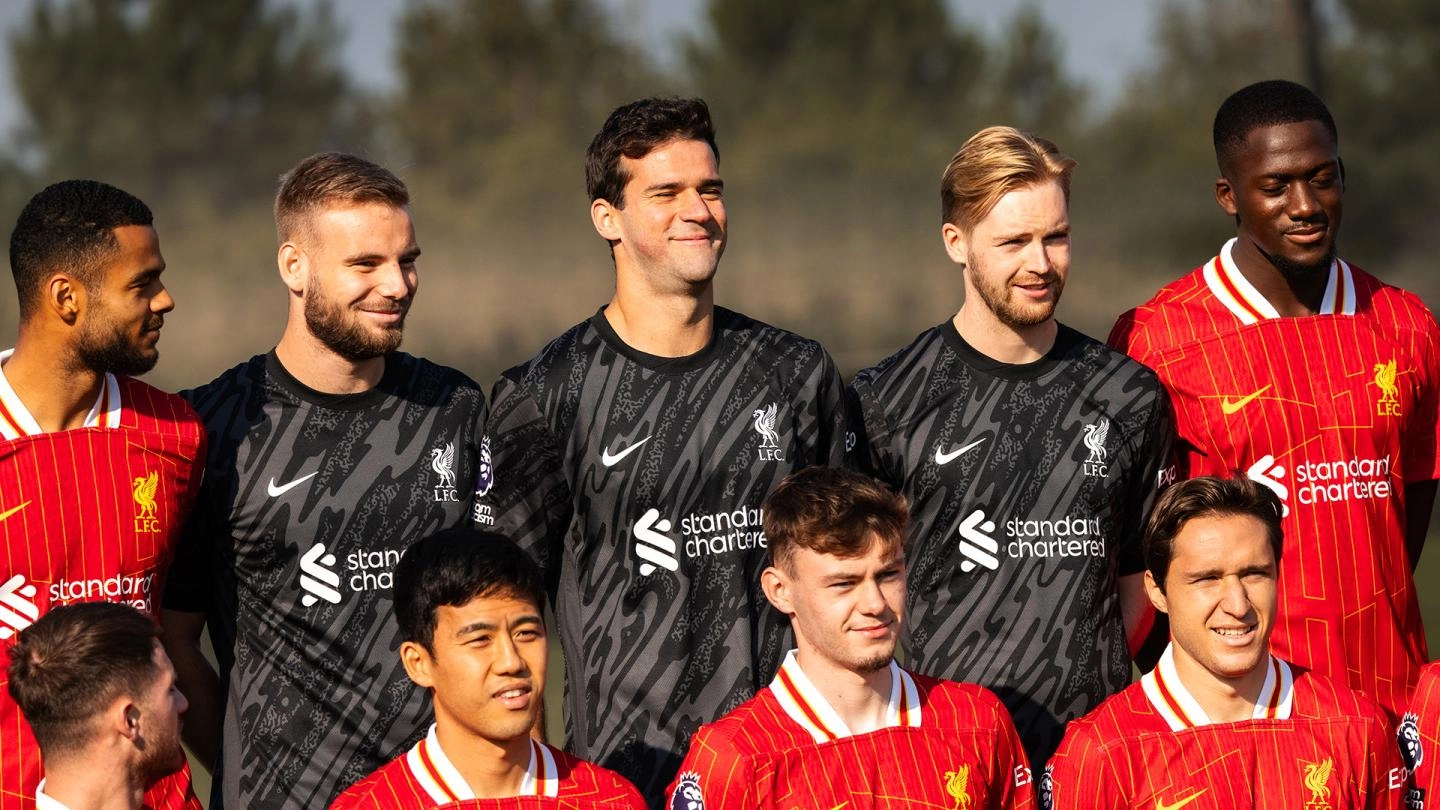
(1029, 452)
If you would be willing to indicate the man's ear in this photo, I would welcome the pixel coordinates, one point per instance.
(64, 295)
(1225, 195)
(777, 587)
(606, 218)
(1157, 596)
(956, 243)
(294, 267)
(417, 663)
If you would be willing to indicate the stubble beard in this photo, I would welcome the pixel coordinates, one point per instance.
(341, 331)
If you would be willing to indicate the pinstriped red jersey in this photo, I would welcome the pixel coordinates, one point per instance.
(1333, 412)
(424, 778)
(90, 514)
(944, 744)
(1311, 744)
(1419, 738)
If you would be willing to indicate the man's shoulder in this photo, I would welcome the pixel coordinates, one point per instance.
(582, 779)
(1119, 718)
(1092, 358)
(560, 353)
(157, 410)
(240, 381)
(958, 702)
(1319, 697)
(1391, 305)
(387, 787)
(740, 731)
(915, 357)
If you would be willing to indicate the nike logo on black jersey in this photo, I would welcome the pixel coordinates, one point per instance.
(1229, 406)
(610, 460)
(942, 458)
(276, 492)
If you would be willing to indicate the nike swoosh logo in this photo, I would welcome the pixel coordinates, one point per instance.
(610, 461)
(276, 492)
(8, 512)
(942, 458)
(1159, 805)
(1230, 406)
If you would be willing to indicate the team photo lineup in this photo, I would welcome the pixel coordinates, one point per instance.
(1007, 566)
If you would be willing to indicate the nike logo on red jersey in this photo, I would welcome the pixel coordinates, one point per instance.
(1231, 407)
(8, 512)
(1159, 805)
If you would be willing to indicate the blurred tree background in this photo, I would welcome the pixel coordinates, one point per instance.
(835, 120)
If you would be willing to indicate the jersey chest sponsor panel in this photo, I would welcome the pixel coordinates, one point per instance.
(1334, 413)
(1312, 743)
(309, 502)
(943, 745)
(88, 515)
(638, 483)
(1028, 488)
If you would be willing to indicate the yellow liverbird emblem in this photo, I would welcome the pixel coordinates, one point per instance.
(1317, 781)
(1385, 380)
(145, 494)
(957, 784)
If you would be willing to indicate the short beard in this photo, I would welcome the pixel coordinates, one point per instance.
(1296, 273)
(999, 304)
(869, 665)
(114, 354)
(349, 339)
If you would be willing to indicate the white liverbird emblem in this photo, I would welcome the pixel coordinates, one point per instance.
(1095, 441)
(765, 426)
(443, 463)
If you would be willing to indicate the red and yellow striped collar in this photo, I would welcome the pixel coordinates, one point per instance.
(443, 783)
(16, 421)
(803, 702)
(1180, 710)
(1239, 296)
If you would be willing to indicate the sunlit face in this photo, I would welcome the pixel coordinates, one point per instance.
(844, 610)
(1017, 258)
(1283, 186)
(671, 231)
(360, 277)
(487, 669)
(160, 711)
(119, 328)
(1220, 593)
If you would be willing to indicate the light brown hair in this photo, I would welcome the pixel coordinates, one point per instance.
(832, 511)
(332, 178)
(994, 162)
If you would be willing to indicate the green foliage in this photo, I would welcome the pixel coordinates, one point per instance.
(500, 98)
(210, 100)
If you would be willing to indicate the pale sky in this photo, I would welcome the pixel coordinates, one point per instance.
(1103, 39)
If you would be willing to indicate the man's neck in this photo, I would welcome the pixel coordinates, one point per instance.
(862, 699)
(998, 341)
(492, 769)
(93, 783)
(56, 389)
(319, 368)
(1292, 296)
(665, 325)
(1225, 700)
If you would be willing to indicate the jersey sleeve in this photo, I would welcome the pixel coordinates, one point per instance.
(1128, 335)
(1387, 772)
(1078, 777)
(714, 775)
(529, 499)
(1421, 459)
(1419, 732)
(830, 448)
(1146, 476)
(188, 584)
(873, 452)
(1016, 788)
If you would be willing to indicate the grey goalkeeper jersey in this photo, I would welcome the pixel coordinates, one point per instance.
(637, 482)
(308, 501)
(1029, 486)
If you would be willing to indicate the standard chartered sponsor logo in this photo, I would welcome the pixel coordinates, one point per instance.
(1321, 482)
(371, 570)
(17, 606)
(129, 589)
(701, 534)
(1069, 536)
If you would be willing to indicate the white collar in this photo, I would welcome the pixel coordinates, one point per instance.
(442, 781)
(803, 702)
(1180, 710)
(16, 421)
(43, 802)
(1239, 296)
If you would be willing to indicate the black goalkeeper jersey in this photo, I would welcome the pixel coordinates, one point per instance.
(637, 482)
(307, 503)
(1029, 486)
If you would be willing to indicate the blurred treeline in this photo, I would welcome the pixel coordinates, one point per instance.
(836, 118)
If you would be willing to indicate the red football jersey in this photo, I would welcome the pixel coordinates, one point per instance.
(945, 744)
(1334, 413)
(1312, 744)
(425, 778)
(1419, 736)
(86, 515)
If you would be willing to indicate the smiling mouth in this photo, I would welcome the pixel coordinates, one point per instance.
(1233, 632)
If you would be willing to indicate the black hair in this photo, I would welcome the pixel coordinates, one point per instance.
(1265, 104)
(636, 129)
